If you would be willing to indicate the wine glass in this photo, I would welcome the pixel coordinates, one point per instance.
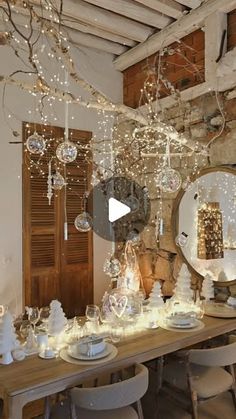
(92, 313)
(33, 316)
(44, 316)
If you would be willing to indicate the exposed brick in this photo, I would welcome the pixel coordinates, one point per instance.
(176, 68)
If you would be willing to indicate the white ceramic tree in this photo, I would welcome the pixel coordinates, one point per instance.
(207, 287)
(183, 291)
(156, 297)
(8, 339)
(57, 319)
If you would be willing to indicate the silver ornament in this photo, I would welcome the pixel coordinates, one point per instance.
(58, 181)
(169, 180)
(66, 152)
(112, 267)
(35, 143)
(83, 222)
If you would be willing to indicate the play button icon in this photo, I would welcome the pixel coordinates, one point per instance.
(118, 206)
(116, 210)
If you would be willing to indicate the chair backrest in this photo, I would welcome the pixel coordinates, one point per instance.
(220, 356)
(115, 395)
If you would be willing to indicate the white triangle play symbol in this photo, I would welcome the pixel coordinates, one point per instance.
(116, 209)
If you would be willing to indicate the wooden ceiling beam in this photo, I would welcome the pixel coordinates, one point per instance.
(168, 7)
(172, 33)
(76, 37)
(193, 4)
(91, 30)
(132, 10)
(106, 20)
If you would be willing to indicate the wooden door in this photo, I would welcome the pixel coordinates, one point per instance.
(55, 268)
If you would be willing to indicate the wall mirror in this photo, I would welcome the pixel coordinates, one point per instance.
(204, 224)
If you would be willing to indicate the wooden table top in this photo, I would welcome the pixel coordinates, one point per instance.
(34, 373)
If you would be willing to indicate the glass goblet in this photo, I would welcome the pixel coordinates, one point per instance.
(33, 316)
(44, 317)
(92, 312)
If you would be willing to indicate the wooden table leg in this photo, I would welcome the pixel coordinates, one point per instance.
(12, 408)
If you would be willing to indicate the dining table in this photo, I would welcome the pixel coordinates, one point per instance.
(35, 378)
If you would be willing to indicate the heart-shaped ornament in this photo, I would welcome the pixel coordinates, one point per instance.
(118, 304)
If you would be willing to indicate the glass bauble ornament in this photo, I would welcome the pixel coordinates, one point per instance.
(112, 267)
(58, 181)
(35, 143)
(121, 304)
(66, 152)
(83, 222)
(169, 180)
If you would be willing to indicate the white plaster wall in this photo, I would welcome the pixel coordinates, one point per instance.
(96, 68)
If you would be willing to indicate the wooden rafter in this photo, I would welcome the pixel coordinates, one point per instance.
(168, 7)
(173, 32)
(134, 11)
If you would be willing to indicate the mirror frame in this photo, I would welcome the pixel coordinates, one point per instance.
(175, 219)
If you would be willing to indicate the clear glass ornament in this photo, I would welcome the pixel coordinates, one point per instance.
(112, 267)
(66, 152)
(35, 143)
(83, 222)
(58, 181)
(169, 180)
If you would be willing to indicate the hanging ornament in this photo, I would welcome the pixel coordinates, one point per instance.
(169, 180)
(49, 183)
(112, 267)
(66, 152)
(58, 181)
(35, 143)
(83, 222)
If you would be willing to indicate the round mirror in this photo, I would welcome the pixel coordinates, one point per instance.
(204, 224)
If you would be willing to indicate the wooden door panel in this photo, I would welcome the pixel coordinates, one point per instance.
(45, 288)
(54, 267)
(78, 283)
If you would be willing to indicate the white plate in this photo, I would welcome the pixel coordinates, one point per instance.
(43, 356)
(84, 357)
(192, 323)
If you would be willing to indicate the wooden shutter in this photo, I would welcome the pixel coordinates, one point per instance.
(53, 267)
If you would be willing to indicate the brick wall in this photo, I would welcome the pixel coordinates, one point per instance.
(184, 69)
(231, 36)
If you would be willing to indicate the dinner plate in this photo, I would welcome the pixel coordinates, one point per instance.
(84, 357)
(192, 323)
(221, 310)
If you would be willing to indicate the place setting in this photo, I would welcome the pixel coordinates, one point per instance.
(182, 322)
(221, 309)
(89, 349)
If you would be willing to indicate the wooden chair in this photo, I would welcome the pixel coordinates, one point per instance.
(204, 373)
(112, 401)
